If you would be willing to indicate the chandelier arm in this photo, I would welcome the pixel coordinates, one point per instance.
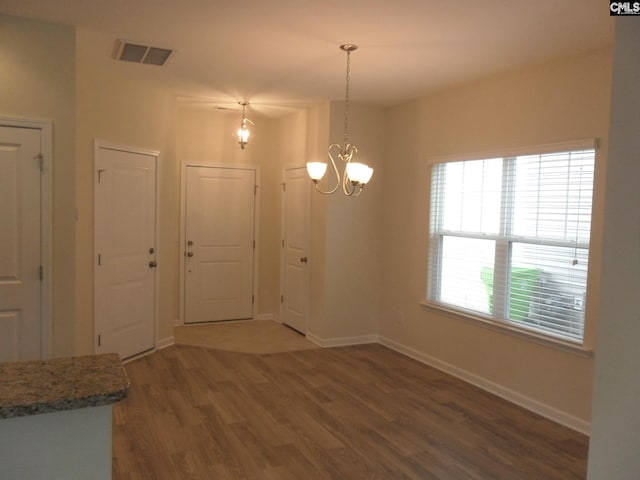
(349, 151)
(358, 191)
(355, 191)
(346, 182)
(335, 170)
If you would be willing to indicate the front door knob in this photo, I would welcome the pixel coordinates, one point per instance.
(303, 259)
(153, 264)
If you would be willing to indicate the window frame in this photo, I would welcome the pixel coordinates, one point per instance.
(504, 242)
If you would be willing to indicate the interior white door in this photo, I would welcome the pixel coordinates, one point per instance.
(295, 248)
(219, 251)
(125, 246)
(20, 255)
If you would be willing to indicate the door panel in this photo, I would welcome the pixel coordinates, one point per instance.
(20, 256)
(125, 219)
(219, 230)
(295, 268)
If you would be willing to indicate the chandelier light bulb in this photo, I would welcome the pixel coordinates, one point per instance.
(355, 171)
(244, 132)
(359, 173)
(316, 170)
(366, 175)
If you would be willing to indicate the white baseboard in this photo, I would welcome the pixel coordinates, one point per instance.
(139, 355)
(165, 342)
(341, 341)
(267, 316)
(261, 316)
(530, 404)
(312, 337)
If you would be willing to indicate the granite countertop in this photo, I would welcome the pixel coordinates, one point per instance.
(45, 386)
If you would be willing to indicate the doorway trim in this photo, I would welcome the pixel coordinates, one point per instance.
(183, 223)
(46, 226)
(97, 145)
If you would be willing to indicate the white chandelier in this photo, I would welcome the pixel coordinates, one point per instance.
(244, 132)
(355, 175)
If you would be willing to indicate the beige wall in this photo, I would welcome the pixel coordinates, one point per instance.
(37, 81)
(318, 139)
(114, 105)
(555, 102)
(353, 236)
(615, 443)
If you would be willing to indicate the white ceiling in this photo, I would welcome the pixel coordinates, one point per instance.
(285, 52)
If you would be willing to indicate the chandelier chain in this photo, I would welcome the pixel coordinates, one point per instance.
(346, 102)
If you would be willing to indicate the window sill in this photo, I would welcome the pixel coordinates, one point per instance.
(507, 329)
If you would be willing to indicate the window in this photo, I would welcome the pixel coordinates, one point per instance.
(509, 239)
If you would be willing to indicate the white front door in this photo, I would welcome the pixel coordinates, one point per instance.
(295, 248)
(219, 237)
(125, 250)
(20, 255)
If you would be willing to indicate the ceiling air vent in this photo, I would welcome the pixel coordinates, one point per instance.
(134, 52)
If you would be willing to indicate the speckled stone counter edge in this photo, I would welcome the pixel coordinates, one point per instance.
(47, 386)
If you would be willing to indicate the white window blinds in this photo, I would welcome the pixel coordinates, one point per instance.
(509, 239)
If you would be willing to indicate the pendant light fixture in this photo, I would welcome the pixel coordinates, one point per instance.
(355, 175)
(244, 132)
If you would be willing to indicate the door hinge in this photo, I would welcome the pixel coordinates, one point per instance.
(255, 189)
(99, 340)
(100, 172)
(284, 187)
(281, 298)
(283, 243)
(40, 159)
(99, 259)
(254, 244)
(41, 273)
(253, 299)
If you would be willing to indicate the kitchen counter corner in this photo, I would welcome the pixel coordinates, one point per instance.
(46, 386)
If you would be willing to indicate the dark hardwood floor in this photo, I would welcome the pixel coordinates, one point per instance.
(362, 412)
